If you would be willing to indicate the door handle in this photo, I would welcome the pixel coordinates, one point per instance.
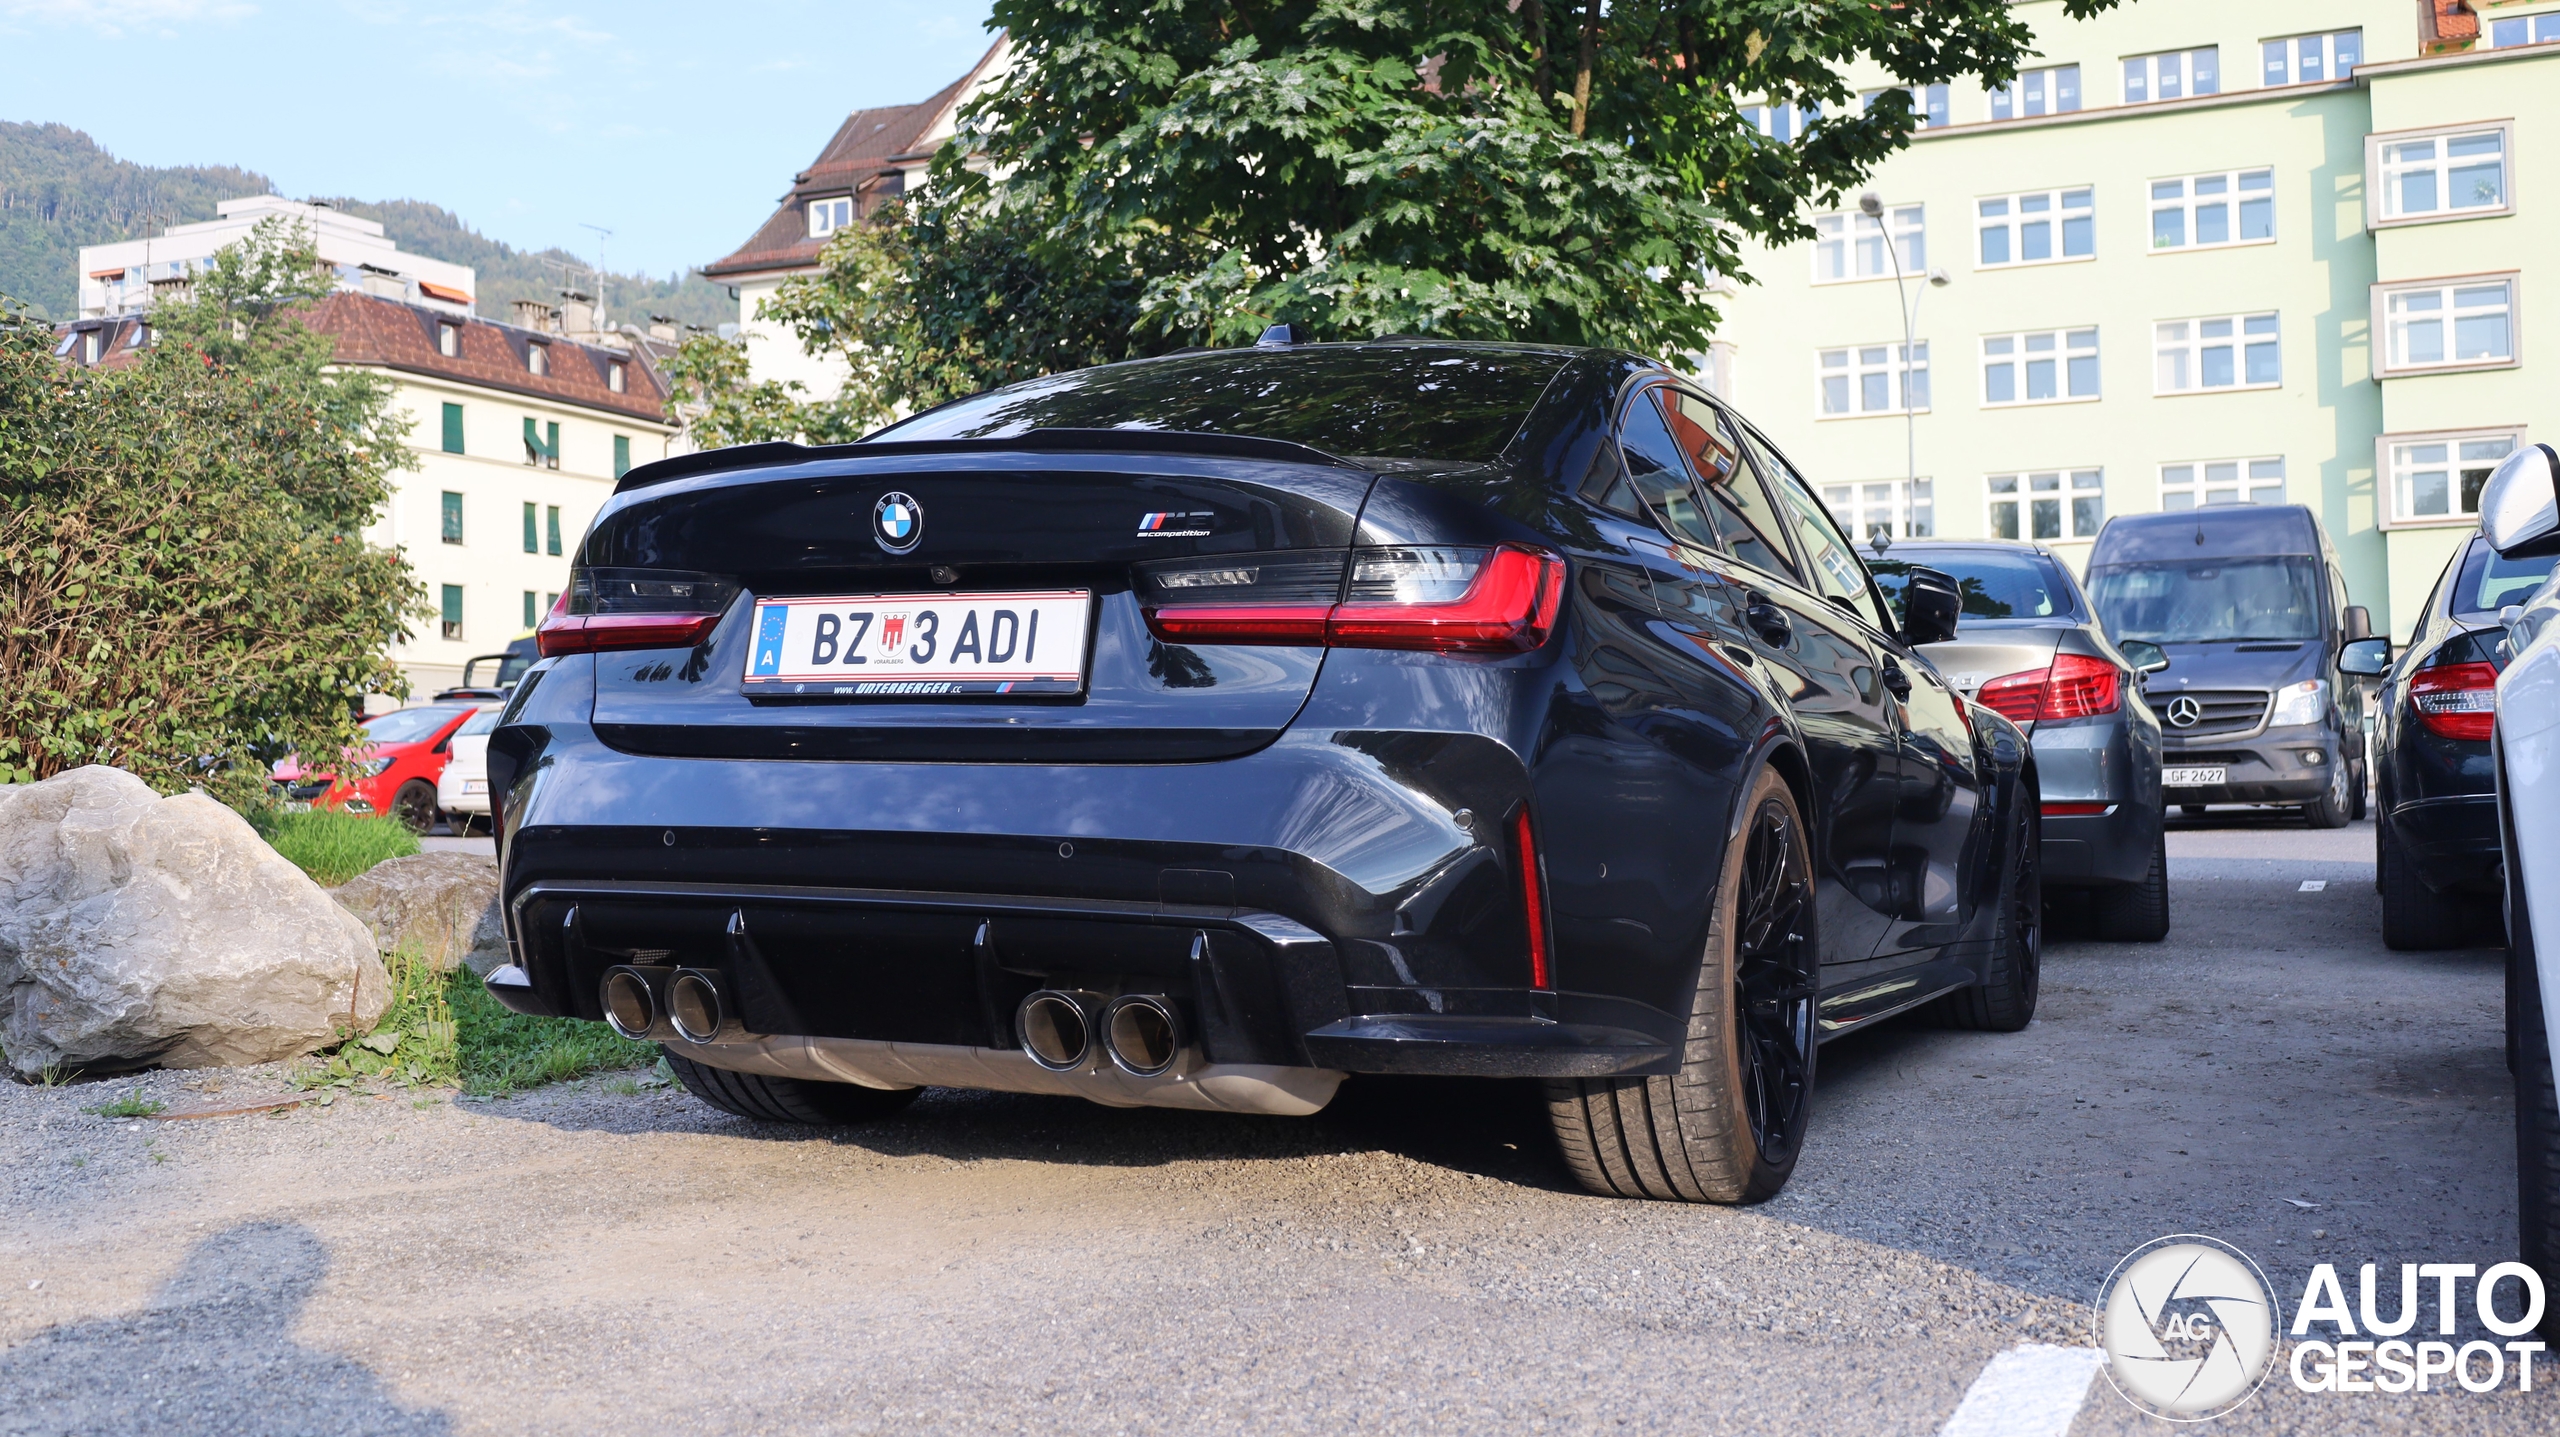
(1896, 681)
(1767, 620)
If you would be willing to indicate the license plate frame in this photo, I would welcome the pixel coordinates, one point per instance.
(2195, 775)
(871, 651)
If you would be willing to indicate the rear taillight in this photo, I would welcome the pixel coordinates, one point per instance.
(1533, 900)
(2457, 700)
(633, 609)
(2075, 686)
(2075, 810)
(1439, 600)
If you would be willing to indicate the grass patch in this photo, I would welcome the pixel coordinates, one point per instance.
(131, 1105)
(505, 1052)
(416, 1042)
(330, 844)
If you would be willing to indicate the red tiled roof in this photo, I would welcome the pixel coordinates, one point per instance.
(386, 332)
(2448, 20)
(855, 162)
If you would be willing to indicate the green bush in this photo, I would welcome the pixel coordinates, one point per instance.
(504, 1051)
(331, 844)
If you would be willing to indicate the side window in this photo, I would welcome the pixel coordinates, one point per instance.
(1751, 527)
(1659, 473)
(1837, 574)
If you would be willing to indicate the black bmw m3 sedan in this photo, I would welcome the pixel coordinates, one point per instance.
(1194, 732)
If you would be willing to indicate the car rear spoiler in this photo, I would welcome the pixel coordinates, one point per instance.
(1080, 441)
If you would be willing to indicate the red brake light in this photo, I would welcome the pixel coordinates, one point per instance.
(2457, 700)
(2075, 686)
(1532, 897)
(2075, 810)
(1509, 605)
(612, 608)
(593, 633)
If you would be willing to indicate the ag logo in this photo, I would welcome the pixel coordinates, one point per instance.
(2183, 712)
(897, 521)
(2188, 1327)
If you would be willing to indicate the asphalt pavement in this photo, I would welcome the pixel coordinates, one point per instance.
(605, 1256)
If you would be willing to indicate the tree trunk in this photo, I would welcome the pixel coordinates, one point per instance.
(1582, 68)
(1542, 76)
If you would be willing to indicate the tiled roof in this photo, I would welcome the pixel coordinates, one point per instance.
(372, 330)
(2447, 21)
(856, 162)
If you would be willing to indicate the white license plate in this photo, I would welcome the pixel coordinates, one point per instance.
(475, 785)
(2192, 777)
(921, 645)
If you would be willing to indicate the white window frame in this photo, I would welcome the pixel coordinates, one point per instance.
(2545, 22)
(537, 358)
(1908, 508)
(2377, 194)
(1928, 103)
(2231, 196)
(449, 339)
(2330, 71)
(2041, 88)
(2186, 68)
(1857, 366)
(2387, 462)
(2249, 474)
(2020, 492)
(828, 215)
(2386, 323)
(2015, 218)
(1769, 119)
(2059, 347)
(1845, 241)
(2194, 342)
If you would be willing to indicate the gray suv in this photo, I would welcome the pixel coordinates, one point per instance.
(2028, 645)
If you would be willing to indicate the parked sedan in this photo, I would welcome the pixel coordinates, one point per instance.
(1196, 731)
(2436, 845)
(2029, 647)
(395, 772)
(463, 789)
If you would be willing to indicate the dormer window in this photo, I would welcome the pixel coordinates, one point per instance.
(537, 359)
(613, 378)
(449, 342)
(828, 216)
(89, 346)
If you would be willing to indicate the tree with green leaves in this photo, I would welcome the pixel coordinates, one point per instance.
(1157, 173)
(185, 589)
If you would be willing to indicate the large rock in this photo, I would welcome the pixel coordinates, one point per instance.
(444, 905)
(137, 929)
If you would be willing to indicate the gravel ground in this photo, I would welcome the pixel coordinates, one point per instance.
(603, 1256)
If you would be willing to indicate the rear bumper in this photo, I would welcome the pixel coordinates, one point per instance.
(2105, 760)
(2452, 842)
(2100, 849)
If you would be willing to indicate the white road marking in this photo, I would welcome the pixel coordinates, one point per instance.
(2030, 1391)
(2314, 885)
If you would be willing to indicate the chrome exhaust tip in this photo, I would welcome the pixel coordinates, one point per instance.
(694, 1005)
(630, 1003)
(1142, 1034)
(1056, 1027)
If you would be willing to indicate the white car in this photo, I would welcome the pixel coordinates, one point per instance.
(463, 791)
(2520, 517)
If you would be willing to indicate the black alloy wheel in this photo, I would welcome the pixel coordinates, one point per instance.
(415, 806)
(1726, 1127)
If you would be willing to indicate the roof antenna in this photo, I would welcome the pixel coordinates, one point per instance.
(1881, 541)
(1281, 335)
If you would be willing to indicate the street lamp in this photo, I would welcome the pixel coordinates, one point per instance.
(1871, 205)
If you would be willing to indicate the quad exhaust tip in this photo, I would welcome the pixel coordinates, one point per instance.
(1143, 1035)
(1057, 1027)
(630, 1006)
(693, 1005)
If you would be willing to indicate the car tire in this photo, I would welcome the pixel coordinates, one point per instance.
(2537, 1120)
(1725, 1128)
(2330, 809)
(415, 806)
(787, 1100)
(2004, 1001)
(2358, 778)
(2416, 918)
(2137, 912)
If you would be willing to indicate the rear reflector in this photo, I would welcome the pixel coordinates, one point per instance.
(2076, 810)
(2075, 686)
(1532, 896)
(2457, 701)
(1437, 600)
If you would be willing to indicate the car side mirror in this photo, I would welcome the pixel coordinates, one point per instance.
(2145, 656)
(2520, 505)
(2359, 622)
(2367, 657)
(1930, 603)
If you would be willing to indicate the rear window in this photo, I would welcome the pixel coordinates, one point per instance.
(1370, 401)
(1997, 584)
(409, 725)
(2489, 583)
(485, 721)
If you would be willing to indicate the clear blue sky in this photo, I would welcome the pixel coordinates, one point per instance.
(676, 126)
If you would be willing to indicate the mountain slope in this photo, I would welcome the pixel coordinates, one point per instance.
(59, 191)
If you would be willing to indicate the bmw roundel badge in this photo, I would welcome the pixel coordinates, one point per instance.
(897, 521)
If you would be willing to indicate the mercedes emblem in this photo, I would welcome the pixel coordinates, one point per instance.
(2184, 712)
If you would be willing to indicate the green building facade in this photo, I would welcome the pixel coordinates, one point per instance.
(2204, 253)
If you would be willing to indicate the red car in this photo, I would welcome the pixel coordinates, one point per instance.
(404, 756)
